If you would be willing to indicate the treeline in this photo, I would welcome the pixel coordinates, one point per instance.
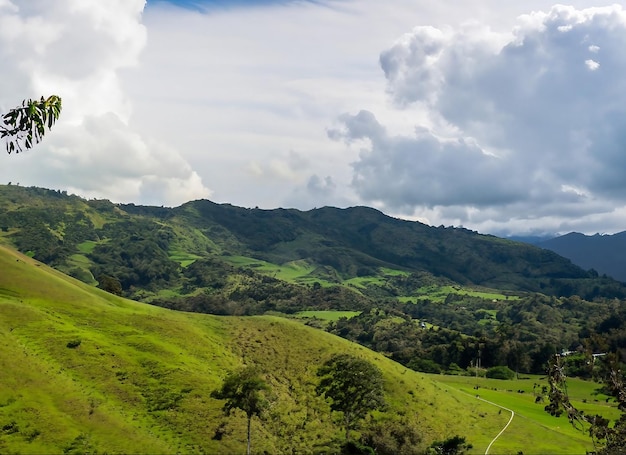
(457, 337)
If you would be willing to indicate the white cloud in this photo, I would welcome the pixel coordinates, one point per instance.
(517, 121)
(76, 49)
(460, 113)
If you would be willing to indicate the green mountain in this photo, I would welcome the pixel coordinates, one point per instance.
(87, 371)
(84, 371)
(204, 256)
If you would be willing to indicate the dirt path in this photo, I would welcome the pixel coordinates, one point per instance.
(505, 427)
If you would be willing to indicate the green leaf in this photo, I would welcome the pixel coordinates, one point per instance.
(25, 126)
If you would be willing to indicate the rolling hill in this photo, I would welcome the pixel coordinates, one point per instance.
(84, 371)
(226, 253)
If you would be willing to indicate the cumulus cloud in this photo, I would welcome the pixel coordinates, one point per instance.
(528, 123)
(319, 192)
(425, 170)
(76, 49)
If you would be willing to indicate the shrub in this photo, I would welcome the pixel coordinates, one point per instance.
(424, 365)
(500, 372)
(73, 344)
(455, 445)
(453, 368)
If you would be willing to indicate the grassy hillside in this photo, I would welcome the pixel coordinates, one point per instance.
(84, 371)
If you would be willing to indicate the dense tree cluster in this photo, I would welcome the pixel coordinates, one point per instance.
(523, 336)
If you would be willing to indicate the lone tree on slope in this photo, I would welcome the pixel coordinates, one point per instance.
(25, 126)
(244, 390)
(354, 386)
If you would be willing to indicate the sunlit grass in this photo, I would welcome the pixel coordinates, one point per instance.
(87, 246)
(436, 293)
(531, 420)
(183, 258)
(87, 370)
(393, 272)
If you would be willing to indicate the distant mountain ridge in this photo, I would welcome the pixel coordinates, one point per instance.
(605, 254)
(144, 251)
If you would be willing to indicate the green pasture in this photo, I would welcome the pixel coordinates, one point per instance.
(300, 271)
(436, 293)
(393, 272)
(533, 430)
(84, 371)
(79, 260)
(293, 271)
(363, 282)
(87, 246)
(490, 317)
(183, 258)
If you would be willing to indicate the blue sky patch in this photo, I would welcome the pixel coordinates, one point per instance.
(203, 5)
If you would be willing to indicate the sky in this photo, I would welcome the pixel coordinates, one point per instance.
(507, 118)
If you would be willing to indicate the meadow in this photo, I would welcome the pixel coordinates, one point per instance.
(437, 293)
(85, 371)
(532, 427)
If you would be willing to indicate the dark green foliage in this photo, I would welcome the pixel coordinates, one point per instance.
(110, 284)
(354, 387)
(500, 372)
(25, 126)
(73, 343)
(424, 365)
(244, 390)
(135, 254)
(455, 445)
(134, 244)
(609, 438)
(10, 428)
(356, 448)
(392, 437)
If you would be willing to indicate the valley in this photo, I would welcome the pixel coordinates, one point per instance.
(87, 371)
(121, 320)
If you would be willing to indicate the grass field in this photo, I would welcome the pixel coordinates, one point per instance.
(183, 258)
(83, 371)
(531, 420)
(439, 293)
(294, 271)
(87, 247)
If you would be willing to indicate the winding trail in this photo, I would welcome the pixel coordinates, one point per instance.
(505, 427)
(501, 407)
